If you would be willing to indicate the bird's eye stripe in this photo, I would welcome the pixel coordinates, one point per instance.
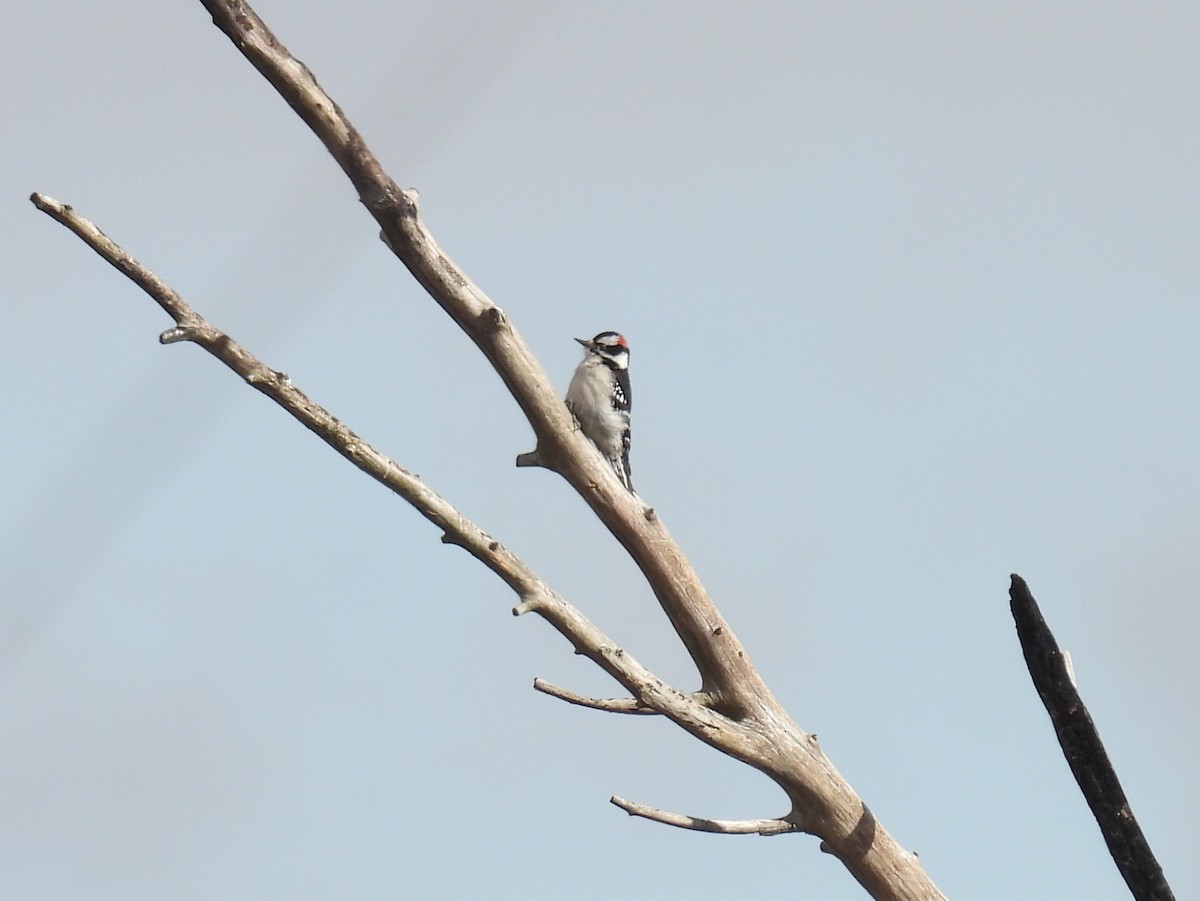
(611, 341)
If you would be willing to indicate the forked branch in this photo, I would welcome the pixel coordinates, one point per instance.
(724, 667)
(734, 711)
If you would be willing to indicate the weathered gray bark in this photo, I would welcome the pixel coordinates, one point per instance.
(733, 710)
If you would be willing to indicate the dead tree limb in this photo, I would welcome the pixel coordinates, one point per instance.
(724, 668)
(456, 529)
(733, 711)
(1077, 734)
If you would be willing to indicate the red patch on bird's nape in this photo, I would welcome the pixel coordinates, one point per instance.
(622, 342)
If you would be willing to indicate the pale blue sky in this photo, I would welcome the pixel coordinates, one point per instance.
(912, 296)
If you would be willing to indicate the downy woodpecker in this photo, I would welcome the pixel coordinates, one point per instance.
(600, 398)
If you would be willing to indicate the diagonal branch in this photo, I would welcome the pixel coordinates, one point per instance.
(722, 662)
(699, 824)
(1055, 683)
(822, 802)
(457, 529)
(683, 709)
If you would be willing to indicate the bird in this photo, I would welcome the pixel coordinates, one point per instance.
(599, 397)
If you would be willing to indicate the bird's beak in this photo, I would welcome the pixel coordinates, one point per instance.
(584, 342)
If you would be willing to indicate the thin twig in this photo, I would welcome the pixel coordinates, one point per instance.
(609, 705)
(1081, 745)
(699, 824)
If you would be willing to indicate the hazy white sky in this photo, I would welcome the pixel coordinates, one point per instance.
(912, 295)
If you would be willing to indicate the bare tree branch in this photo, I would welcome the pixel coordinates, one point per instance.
(725, 827)
(739, 715)
(723, 664)
(1080, 740)
(457, 529)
